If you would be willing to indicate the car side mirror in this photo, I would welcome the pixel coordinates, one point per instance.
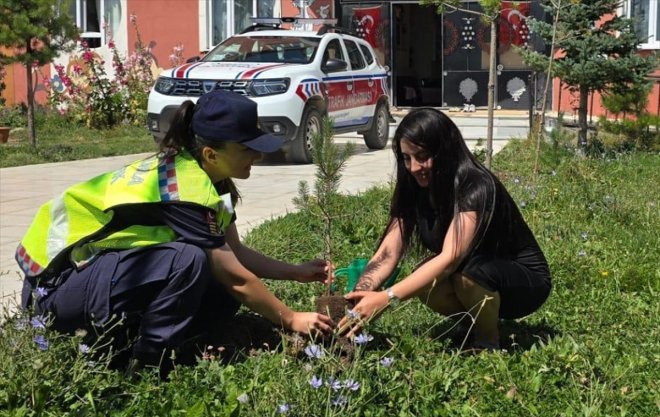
(192, 59)
(334, 65)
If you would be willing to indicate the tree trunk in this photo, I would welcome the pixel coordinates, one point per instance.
(540, 124)
(491, 92)
(30, 107)
(582, 118)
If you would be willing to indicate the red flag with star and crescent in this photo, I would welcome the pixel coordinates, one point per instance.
(368, 21)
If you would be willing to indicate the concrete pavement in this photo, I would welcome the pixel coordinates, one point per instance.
(266, 194)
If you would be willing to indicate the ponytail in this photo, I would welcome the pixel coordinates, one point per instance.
(180, 135)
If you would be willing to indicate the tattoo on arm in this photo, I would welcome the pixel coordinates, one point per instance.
(367, 281)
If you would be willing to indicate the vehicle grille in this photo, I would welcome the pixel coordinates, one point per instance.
(193, 88)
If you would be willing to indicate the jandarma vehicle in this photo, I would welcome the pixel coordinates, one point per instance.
(295, 77)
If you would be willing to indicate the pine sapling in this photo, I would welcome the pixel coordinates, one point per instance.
(330, 161)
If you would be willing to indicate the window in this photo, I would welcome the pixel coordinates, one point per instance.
(367, 54)
(333, 51)
(354, 55)
(646, 14)
(228, 17)
(94, 18)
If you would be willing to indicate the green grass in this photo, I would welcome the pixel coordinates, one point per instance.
(59, 140)
(592, 349)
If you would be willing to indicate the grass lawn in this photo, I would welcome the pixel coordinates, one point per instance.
(592, 350)
(60, 141)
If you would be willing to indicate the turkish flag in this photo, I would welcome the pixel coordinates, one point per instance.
(513, 15)
(367, 21)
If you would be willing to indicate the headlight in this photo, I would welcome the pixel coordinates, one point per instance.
(269, 87)
(164, 85)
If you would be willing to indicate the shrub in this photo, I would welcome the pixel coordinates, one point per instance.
(627, 135)
(14, 116)
(88, 96)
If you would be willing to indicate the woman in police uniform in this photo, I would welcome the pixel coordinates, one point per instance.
(155, 245)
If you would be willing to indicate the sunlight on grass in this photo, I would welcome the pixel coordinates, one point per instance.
(591, 350)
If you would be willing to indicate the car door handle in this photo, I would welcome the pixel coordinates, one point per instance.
(349, 85)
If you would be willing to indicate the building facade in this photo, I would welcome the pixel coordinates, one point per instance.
(435, 60)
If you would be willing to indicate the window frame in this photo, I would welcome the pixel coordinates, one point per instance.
(653, 28)
(80, 20)
(230, 6)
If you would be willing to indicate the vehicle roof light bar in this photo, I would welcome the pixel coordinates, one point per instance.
(294, 20)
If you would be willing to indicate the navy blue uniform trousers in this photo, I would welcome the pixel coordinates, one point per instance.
(164, 294)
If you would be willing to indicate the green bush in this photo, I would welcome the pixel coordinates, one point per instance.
(13, 116)
(627, 135)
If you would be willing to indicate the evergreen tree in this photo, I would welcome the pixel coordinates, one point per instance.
(35, 32)
(592, 55)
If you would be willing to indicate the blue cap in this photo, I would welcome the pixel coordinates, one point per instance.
(225, 116)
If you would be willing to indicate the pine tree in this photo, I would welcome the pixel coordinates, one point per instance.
(35, 32)
(593, 54)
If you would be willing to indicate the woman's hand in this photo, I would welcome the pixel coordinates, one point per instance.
(311, 323)
(368, 306)
(313, 271)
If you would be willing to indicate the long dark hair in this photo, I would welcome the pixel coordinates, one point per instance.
(180, 137)
(457, 178)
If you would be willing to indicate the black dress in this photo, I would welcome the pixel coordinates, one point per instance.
(507, 258)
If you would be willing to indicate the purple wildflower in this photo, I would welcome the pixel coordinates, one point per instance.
(386, 362)
(41, 342)
(333, 383)
(315, 382)
(314, 351)
(363, 338)
(340, 401)
(352, 384)
(283, 408)
(243, 398)
(41, 292)
(83, 348)
(38, 322)
(353, 315)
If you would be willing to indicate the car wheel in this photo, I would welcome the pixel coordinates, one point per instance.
(376, 137)
(301, 148)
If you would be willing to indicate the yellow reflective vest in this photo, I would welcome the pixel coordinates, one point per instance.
(71, 229)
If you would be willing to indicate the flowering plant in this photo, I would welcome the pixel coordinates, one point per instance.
(85, 93)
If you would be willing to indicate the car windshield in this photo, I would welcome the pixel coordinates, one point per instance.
(295, 50)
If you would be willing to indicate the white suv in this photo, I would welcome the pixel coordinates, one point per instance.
(295, 77)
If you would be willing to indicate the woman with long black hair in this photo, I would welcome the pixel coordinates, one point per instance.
(485, 259)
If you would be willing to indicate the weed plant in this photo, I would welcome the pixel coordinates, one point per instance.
(591, 350)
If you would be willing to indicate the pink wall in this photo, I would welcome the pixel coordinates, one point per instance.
(569, 102)
(163, 24)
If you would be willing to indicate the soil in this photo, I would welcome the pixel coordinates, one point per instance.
(334, 306)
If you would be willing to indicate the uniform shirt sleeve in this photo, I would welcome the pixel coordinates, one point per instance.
(194, 224)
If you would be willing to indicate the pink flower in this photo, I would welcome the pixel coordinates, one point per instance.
(111, 44)
(88, 56)
(77, 69)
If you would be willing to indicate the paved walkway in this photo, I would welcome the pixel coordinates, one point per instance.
(266, 194)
